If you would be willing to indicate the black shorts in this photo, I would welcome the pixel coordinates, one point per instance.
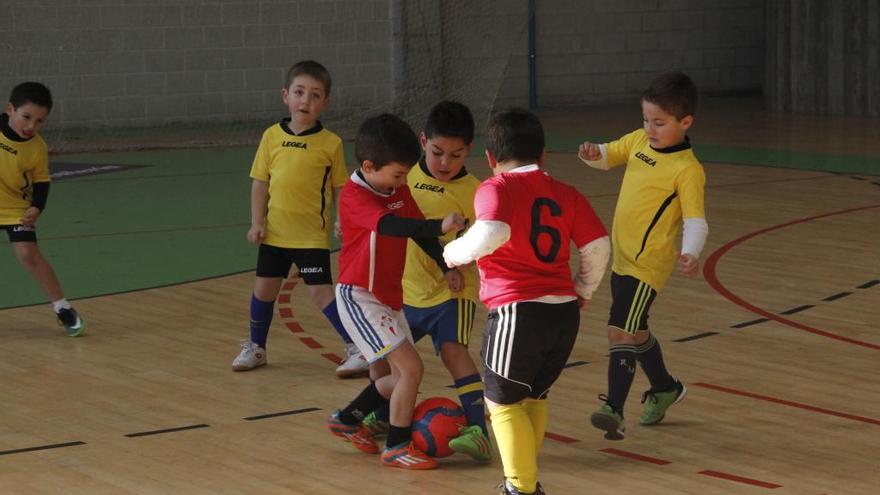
(20, 233)
(631, 301)
(313, 264)
(525, 348)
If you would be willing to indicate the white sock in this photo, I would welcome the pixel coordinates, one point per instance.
(60, 304)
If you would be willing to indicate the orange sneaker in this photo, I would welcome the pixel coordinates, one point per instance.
(406, 456)
(358, 434)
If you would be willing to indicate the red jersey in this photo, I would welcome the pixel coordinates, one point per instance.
(544, 216)
(368, 259)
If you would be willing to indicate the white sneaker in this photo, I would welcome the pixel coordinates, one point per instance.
(354, 365)
(250, 357)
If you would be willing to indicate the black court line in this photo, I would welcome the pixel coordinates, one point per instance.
(167, 430)
(41, 447)
(695, 337)
(283, 413)
(576, 363)
(876, 183)
(870, 284)
(749, 323)
(837, 296)
(857, 178)
(797, 309)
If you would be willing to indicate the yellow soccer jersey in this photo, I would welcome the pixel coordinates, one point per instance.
(22, 163)
(423, 283)
(659, 189)
(302, 171)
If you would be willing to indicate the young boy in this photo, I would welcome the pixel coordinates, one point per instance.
(377, 214)
(663, 184)
(24, 189)
(299, 168)
(525, 222)
(437, 304)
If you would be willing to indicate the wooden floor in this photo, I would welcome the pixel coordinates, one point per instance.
(777, 342)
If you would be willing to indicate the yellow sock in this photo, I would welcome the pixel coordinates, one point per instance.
(537, 411)
(516, 444)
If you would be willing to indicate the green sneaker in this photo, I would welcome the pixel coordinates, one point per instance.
(72, 322)
(472, 441)
(375, 426)
(656, 403)
(610, 421)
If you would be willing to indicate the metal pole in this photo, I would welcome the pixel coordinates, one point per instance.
(533, 71)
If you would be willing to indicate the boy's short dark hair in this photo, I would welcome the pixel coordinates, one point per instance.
(450, 119)
(515, 134)
(386, 138)
(309, 68)
(675, 93)
(31, 92)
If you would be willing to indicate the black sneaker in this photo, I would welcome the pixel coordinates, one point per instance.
(71, 321)
(508, 489)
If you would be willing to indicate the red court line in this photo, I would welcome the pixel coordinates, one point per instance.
(560, 438)
(633, 455)
(285, 312)
(709, 271)
(284, 298)
(789, 403)
(332, 357)
(294, 327)
(740, 479)
(311, 343)
(289, 286)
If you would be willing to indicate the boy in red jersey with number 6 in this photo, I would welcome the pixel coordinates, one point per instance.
(520, 241)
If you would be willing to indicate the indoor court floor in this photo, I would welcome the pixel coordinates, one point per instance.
(776, 339)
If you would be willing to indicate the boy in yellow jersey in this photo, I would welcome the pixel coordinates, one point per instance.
(24, 189)
(297, 174)
(437, 304)
(662, 193)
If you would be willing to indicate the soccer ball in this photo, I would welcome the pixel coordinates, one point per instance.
(436, 421)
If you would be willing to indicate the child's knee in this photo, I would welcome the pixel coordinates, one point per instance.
(28, 254)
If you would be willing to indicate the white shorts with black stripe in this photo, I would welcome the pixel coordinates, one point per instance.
(525, 348)
(375, 328)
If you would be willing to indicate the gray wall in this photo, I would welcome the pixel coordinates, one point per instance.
(823, 57)
(144, 63)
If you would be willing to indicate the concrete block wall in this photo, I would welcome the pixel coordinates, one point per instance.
(143, 62)
(130, 63)
(591, 51)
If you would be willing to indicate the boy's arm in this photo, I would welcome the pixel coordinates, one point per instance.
(693, 237)
(337, 227)
(594, 155)
(38, 204)
(483, 238)
(431, 246)
(259, 202)
(593, 261)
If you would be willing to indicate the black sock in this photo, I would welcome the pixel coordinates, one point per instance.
(366, 402)
(651, 359)
(398, 435)
(621, 371)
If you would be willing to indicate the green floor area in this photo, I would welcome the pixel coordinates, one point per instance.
(183, 216)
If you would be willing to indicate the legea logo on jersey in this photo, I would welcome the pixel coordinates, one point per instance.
(8, 149)
(429, 187)
(645, 158)
(311, 269)
(294, 144)
(395, 205)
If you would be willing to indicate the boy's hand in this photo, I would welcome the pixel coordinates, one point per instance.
(453, 223)
(455, 280)
(589, 151)
(337, 229)
(30, 216)
(688, 264)
(256, 234)
(583, 303)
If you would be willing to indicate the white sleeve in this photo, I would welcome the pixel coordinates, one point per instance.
(593, 262)
(602, 163)
(693, 236)
(484, 237)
